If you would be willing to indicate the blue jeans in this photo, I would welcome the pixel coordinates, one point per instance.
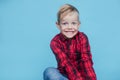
(53, 74)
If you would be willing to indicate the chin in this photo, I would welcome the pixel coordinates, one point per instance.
(70, 36)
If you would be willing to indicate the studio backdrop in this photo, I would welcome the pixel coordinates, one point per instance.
(27, 27)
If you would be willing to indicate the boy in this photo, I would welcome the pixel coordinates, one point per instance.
(71, 49)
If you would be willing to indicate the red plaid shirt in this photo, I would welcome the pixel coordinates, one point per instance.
(73, 56)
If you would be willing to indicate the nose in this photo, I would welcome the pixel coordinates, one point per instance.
(69, 26)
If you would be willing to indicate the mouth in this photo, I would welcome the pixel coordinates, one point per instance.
(69, 31)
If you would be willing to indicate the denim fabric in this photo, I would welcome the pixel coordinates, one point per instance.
(53, 74)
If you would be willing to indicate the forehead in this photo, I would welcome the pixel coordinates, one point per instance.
(69, 16)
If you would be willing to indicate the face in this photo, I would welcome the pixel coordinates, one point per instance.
(69, 25)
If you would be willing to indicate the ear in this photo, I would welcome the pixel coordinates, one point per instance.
(79, 24)
(58, 25)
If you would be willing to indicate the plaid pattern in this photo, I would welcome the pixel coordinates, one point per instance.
(74, 56)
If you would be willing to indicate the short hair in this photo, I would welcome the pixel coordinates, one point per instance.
(64, 10)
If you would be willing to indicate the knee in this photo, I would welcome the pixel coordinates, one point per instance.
(50, 73)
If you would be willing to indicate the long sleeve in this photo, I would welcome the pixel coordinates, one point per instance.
(64, 62)
(86, 58)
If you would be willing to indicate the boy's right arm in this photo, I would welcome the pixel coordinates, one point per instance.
(64, 61)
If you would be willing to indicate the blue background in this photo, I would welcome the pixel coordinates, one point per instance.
(27, 26)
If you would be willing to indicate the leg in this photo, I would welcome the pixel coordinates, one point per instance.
(53, 74)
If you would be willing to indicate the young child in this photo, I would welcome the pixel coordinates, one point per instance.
(71, 49)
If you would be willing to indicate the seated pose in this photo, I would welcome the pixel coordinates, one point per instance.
(71, 49)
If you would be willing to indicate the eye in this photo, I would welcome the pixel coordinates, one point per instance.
(74, 23)
(65, 23)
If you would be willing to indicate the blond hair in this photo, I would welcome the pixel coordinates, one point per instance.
(64, 10)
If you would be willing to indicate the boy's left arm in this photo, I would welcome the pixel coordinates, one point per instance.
(86, 60)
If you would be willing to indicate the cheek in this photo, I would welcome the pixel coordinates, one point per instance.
(76, 28)
(63, 28)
